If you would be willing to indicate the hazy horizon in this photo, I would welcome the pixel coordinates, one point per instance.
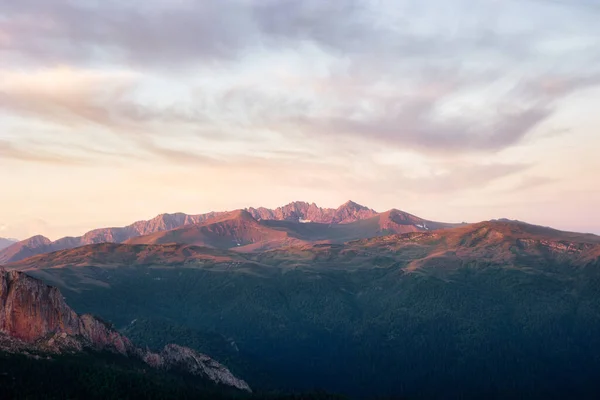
(469, 110)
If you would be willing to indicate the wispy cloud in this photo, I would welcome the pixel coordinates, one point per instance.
(11, 151)
(381, 79)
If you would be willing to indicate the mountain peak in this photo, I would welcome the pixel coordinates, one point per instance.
(37, 240)
(353, 205)
(298, 204)
(235, 214)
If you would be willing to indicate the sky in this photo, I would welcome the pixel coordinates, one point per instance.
(113, 111)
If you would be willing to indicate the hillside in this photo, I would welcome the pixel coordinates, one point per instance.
(496, 309)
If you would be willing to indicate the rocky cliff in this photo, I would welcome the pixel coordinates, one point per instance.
(35, 317)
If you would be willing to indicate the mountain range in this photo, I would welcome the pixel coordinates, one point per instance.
(496, 309)
(351, 301)
(249, 229)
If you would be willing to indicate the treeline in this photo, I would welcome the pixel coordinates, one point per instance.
(106, 376)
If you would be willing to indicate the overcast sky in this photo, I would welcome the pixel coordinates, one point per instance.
(113, 111)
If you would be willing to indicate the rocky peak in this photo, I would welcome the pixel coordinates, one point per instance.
(351, 212)
(351, 205)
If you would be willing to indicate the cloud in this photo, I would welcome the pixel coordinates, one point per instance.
(448, 178)
(64, 95)
(180, 33)
(10, 151)
(530, 182)
(175, 156)
(414, 125)
(378, 76)
(158, 32)
(416, 118)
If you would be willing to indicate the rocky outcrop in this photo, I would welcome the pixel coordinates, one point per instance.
(178, 358)
(35, 317)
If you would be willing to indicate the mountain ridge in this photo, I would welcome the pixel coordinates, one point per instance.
(348, 213)
(489, 240)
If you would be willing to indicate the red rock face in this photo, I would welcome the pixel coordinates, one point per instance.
(30, 309)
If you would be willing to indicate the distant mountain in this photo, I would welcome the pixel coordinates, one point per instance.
(496, 309)
(27, 248)
(262, 222)
(239, 230)
(41, 244)
(212, 243)
(35, 317)
(234, 229)
(4, 243)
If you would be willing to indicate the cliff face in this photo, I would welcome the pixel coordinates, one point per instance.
(30, 310)
(35, 316)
